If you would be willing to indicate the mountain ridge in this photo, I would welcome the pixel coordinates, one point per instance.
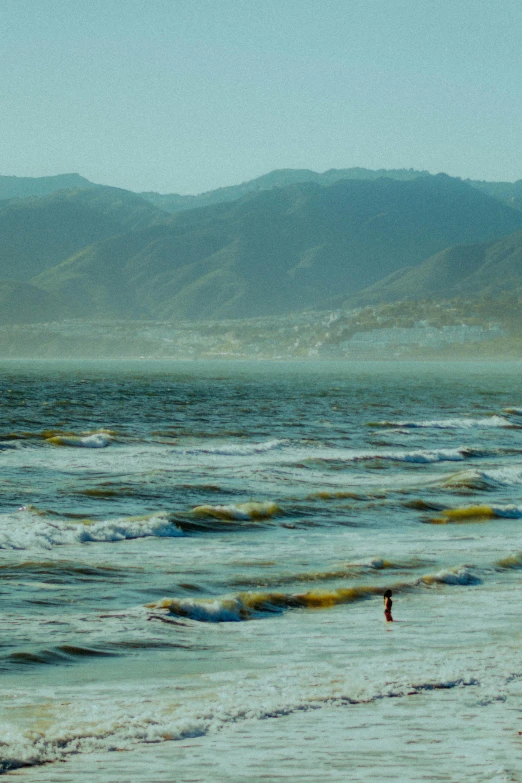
(107, 252)
(22, 187)
(275, 251)
(36, 233)
(278, 178)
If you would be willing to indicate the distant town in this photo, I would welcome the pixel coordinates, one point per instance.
(485, 328)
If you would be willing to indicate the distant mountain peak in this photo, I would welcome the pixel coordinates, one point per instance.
(22, 187)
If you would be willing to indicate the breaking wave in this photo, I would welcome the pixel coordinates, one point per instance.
(97, 440)
(461, 575)
(448, 424)
(486, 479)
(238, 449)
(247, 606)
(255, 604)
(27, 529)
(306, 453)
(238, 511)
(147, 717)
(419, 456)
(475, 514)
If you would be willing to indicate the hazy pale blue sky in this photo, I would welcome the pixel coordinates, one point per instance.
(188, 95)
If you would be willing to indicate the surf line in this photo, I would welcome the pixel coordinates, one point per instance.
(253, 605)
(203, 725)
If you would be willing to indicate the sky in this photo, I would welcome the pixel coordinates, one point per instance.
(186, 96)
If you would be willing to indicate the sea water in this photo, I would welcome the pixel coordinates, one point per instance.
(192, 563)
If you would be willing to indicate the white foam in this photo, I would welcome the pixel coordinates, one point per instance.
(97, 440)
(289, 453)
(238, 449)
(373, 562)
(219, 610)
(461, 575)
(419, 456)
(428, 456)
(505, 476)
(26, 529)
(115, 720)
(450, 424)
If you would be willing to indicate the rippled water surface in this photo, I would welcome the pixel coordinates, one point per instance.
(192, 562)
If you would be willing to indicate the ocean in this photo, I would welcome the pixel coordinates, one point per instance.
(193, 557)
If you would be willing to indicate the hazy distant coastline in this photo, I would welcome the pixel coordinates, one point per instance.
(346, 264)
(460, 328)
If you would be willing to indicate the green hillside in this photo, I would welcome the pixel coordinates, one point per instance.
(22, 303)
(276, 251)
(462, 270)
(22, 187)
(36, 233)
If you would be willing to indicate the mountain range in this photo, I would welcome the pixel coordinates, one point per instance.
(22, 187)
(36, 233)
(291, 240)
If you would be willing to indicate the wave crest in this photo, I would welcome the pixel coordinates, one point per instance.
(28, 529)
(486, 479)
(238, 449)
(255, 604)
(238, 511)
(475, 514)
(461, 575)
(448, 424)
(97, 440)
(247, 606)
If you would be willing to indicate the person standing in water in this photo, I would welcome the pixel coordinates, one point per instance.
(388, 606)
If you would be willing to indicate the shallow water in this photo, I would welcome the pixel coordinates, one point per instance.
(192, 559)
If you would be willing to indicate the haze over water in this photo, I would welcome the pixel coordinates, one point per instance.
(192, 562)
